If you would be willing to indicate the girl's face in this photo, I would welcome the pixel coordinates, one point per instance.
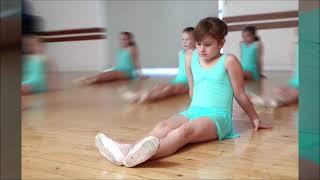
(209, 48)
(248, 37)
(188, 41)
(124, 40)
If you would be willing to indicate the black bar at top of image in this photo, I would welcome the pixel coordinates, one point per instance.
(10, 82)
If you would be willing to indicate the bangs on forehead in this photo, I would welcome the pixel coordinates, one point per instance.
(206, 38)
(200, 35)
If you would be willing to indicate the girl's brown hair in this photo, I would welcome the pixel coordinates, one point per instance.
(211, 26)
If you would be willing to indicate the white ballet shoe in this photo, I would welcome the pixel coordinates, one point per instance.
(83, 81)
(273, 103)
(144, 97)
(79, 81)
(111, 150)
(256, 100)
(129, 96)
(142, 151)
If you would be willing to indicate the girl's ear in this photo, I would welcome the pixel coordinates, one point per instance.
(221, 43)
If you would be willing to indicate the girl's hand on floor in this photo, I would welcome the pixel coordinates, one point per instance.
(257, 125)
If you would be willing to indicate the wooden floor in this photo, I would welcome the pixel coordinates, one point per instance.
(58, 130)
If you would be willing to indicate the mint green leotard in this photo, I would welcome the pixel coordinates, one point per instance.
(212, 96)
(34, 73)
(249, 59)
(125, 63)
(181, 77)
(294, 81)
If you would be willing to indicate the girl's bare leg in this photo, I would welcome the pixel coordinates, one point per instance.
(199, 130)
(135, 97)
(103, 77)
(110, 76)
(117, 152)
(166, 126)
(283, 96)
(167, 91)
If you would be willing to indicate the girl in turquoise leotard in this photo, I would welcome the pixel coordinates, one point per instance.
(282, 96)
(34, 77)
(127, 64)
(214, 79)
(178, 85)
(251, 53)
